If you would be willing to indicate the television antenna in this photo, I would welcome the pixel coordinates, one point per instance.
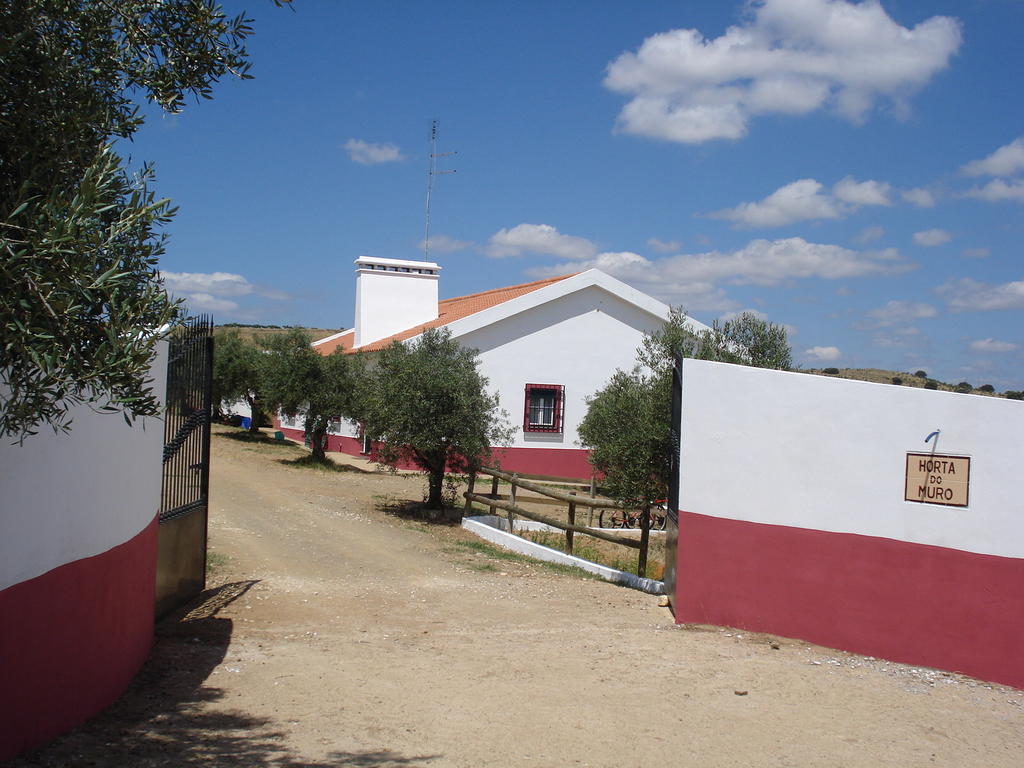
(431, 173)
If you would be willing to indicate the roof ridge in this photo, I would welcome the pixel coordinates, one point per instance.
(508, 288)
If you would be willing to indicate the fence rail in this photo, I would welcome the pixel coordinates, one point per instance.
(508, 504)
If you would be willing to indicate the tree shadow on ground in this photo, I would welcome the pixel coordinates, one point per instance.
(328, 465)
(419, 512)
(164, 720)
(254, 438)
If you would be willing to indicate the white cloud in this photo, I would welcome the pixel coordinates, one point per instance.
(215, 291)
(998, 190)
(769, 262)
(1005, 161)
(663, 246)
(540, 239)
(868, 234)
(446, 244)
(967, 294)
(849, 190)
(823, 354)
(728, 316)
(932, 237)
(991, 345)
(204, 302)
(367, 153)
(693, 279)
(803, 200)
(789, 57)
(919, 196)
(797, 201)
(218, 283)
(658, 278)
(899, 312)
(977, 253)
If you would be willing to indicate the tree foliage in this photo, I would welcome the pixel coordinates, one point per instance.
(236, 374)
(427, 403)
(298, 380)
(82, 304)
(627, 425)
(744, 340)
(627, 429)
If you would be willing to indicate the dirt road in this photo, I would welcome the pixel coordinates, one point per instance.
(340, 635)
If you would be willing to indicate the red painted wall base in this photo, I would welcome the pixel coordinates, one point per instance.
(555, 462)
(911, 603)
(72, 639)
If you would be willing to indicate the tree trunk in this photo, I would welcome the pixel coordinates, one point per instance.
(317, 442)
(254, 411)
(435, 485)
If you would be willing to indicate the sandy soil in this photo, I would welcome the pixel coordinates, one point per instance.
(337, 634)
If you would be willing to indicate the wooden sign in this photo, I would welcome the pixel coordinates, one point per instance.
(938, 479)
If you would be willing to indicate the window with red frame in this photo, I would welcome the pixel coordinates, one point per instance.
(544, 408)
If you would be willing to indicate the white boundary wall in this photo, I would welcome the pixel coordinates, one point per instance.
(492, 528)
(70, 496)
(752, 449)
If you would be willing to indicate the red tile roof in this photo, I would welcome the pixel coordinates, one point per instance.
(448, 311)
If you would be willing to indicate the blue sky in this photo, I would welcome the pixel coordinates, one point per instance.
(854, 171)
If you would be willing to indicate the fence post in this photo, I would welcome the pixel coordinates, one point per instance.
(492, 510)
(512, 498)
(572, 521)
(593, 493)
(645, 537)
(469, 489)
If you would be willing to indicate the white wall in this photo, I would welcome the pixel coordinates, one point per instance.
(829, 454)
(66, 497)
(577, 341)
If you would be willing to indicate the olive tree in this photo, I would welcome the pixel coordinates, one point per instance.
(427, 404)
(83, 305)
(627, 425)
(298, 380)
(627, 430)
(236, 373)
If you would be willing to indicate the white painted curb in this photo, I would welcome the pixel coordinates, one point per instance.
(484, 527)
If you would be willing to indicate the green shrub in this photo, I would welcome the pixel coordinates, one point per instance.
(1012, 395)
(986, 388)
(897, 380)
(921, 374)
(831, 371)
(964, 386)
(931, 385)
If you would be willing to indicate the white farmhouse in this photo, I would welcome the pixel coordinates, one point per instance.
(544, 346)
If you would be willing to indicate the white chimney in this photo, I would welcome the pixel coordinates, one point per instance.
(393, 295)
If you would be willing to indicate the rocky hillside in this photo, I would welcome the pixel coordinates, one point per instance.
(918, 379)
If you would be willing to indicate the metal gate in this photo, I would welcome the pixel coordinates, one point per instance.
(672, 518)
(181, 560)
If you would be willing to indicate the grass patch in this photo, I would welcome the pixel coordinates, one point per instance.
(490, 550)
(603, 553)
(214, 561)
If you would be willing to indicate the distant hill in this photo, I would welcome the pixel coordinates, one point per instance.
(902, 378)
(252, 331)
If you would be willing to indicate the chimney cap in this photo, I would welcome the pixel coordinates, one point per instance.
(371, 263)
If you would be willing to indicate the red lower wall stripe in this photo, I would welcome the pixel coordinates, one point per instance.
(556, 462)
(72, 639)
(912, 603)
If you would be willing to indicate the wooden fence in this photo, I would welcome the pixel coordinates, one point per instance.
(556, 496)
